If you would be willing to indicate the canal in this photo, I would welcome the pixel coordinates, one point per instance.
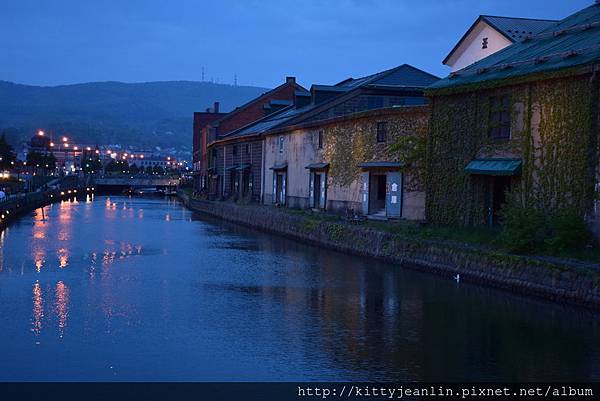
(119, 288)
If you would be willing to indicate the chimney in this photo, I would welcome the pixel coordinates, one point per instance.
(290, 80)
(216, 107)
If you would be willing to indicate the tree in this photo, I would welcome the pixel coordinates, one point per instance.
(90, 162)
(412, 151)
(43, 162)
(134, 169)
(7, 154)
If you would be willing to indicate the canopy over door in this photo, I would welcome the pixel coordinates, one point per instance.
(393, 198)
(494, 167)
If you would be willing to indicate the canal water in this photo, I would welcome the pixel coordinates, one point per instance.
(119, 288)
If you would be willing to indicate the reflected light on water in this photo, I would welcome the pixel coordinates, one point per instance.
(39, 256)
(2, 249)
(38, 309)
(65, 219)
(61, 306)
(63, 257)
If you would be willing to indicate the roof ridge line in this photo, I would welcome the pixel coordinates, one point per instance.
(523, 18)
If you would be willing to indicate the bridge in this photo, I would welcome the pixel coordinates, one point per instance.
(126, 181)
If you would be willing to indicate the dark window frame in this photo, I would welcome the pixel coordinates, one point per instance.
(247, 148)
(320, 140)
(234, 150)
(484, 43)
(381, 129)
(500, 117)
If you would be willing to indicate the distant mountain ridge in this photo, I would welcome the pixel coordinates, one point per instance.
(150, 113)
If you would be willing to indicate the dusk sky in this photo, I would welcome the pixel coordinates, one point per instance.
(72, 41)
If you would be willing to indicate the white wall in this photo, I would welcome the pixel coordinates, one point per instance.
(470, 49)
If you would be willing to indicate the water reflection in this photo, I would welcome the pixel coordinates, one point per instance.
(61, 306)
(38, 309)
(196, 299)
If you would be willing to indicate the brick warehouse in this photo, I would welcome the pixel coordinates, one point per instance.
(216, 180)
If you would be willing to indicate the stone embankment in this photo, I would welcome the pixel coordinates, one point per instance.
(17, 205)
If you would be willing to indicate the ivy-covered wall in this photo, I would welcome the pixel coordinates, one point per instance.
(347, 142)
(354, 141)
(553, 131)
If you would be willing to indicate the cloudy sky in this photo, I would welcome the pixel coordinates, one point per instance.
(46, 42)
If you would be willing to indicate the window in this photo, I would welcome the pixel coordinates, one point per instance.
(381, 132)
(247, 148)
(499, 120)
(280, 144)
(320, 140)
(484, 43)
(234, 150)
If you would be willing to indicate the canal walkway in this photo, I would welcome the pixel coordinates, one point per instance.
(560, 280)
(16, 205)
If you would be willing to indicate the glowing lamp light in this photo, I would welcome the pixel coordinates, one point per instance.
(75, 148)
(51, 144)
(88, 148)
(97, 152)
(41, 133)
(66, 145)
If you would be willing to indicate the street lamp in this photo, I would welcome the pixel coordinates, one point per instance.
(41, 133)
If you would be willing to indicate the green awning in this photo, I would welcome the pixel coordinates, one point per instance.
(318, 166)
(234, 167)
(494, 167)
(278, 167)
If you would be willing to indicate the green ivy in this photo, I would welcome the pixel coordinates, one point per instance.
(559, 152)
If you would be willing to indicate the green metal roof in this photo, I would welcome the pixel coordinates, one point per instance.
(317, 166)
(494, 167)
(572, 42)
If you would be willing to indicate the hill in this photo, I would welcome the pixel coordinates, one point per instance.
(151, 113)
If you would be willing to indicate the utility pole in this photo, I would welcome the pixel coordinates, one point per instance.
(202, 73)
(235, 80)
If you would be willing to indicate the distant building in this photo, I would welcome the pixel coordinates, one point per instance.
(202, 121)
(489, 34)
(222, 180)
